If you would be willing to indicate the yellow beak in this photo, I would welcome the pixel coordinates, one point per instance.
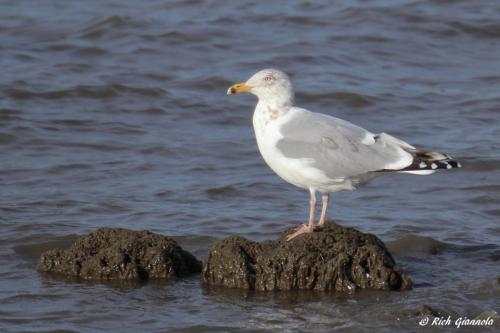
(238, 88)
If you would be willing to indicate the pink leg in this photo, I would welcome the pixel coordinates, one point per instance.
(306, 228)
(324, 200)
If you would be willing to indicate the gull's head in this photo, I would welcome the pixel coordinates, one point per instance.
(269, 85)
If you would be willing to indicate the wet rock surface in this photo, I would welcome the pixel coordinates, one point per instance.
(336, 258)
(427, 310)
(111, 254)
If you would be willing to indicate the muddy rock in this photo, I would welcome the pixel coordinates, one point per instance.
(112, 254)
(427, 310)
(336, 258)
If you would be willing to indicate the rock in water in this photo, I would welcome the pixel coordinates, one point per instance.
(111, 254)
(336, 258)
(428, 311)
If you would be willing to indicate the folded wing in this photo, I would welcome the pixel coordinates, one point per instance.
(343, 150)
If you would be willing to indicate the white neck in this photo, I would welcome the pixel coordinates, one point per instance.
(279, 98)
(274, 102)
(266, 113)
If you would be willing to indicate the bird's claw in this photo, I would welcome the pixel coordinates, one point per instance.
(302, 226)
(302, 229)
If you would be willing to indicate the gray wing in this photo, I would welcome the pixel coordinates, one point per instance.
(338, 148)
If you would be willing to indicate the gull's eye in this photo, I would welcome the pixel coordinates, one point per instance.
(268, 78)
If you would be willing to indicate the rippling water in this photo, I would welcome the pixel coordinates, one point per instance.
(114, 113)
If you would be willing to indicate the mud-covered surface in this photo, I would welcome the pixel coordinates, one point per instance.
(111, 254)
(427, 310)
(336, 258)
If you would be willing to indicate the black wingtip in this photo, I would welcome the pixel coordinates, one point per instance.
(434, 165)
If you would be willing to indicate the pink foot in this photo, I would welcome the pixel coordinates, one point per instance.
(303, 229)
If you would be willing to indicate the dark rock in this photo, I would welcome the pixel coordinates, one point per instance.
(336, 258)
(412, 245)
(427, 310)
(120, 254)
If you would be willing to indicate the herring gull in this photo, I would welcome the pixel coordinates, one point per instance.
(318, 152)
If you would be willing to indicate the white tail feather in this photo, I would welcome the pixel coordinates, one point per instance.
(419, 172)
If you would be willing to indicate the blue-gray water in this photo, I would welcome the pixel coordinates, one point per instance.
(114, 113)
